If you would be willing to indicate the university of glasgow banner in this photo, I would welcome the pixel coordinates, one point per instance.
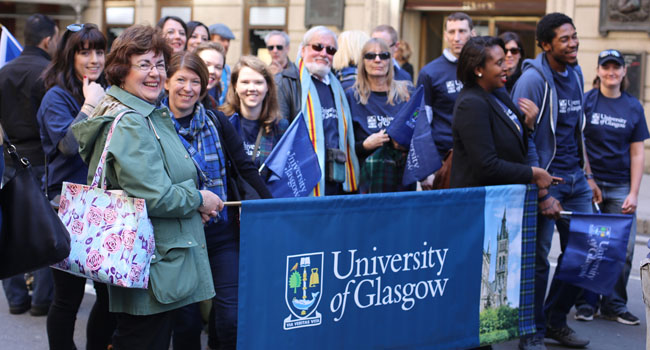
(420, 270)
(595, 252)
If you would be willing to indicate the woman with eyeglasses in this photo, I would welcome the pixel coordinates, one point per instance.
(197, 33)
(75, 83)
(375, 99)
(146, 159)
(214, 57)
(489, 132)
(514, 57)
(252, 107)
(345, 60)
(210, 139)
(174, 30)
(614, 135)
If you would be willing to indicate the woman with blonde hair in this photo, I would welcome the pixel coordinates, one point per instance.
(252, 106)
(375, 99)
(347, 57)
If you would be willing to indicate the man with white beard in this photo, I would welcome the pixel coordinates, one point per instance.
(326, 113)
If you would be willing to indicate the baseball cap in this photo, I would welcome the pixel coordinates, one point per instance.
(222, 30)
(610, 55)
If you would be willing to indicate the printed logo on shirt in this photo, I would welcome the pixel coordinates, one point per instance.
(453, 86)
(378, 121)
(329, 113)
(567, 106)
(607, 120)
(249, 147)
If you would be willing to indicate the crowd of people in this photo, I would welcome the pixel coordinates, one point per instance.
(194, 123)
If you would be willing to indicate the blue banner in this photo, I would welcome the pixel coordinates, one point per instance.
(401, 128)
(423, 158)
(293, 163)
(397, 270)
(595, 252)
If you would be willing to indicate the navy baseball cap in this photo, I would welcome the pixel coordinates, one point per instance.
(610, 55)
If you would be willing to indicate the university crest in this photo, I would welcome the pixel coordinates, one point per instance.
(303, 290)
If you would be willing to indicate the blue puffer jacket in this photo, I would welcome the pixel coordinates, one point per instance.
(536, 83)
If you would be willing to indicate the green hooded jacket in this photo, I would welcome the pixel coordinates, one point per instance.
(147, 160)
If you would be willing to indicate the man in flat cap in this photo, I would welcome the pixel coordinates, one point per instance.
(220, 33)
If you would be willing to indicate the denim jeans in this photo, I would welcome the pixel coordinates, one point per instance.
(574, 195)
(15, 287)
(615, 304)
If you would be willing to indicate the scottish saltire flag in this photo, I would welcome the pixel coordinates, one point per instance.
(401, 128)
(595, 253)
(423, 158)
(293, 163)
(9, 47)
(340, 273)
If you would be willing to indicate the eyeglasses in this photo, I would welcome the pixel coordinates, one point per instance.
(278, 47)
(372, 56)
(146, 67)
(331, 50)
(513, 51)
(75, 27)
(606, 53)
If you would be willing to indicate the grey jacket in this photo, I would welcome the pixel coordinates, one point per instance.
(289, 91)
(536, 83)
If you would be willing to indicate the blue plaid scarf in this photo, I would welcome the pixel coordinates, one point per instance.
(201, 140)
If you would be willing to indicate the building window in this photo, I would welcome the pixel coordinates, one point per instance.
(118, 15)
(261, 17)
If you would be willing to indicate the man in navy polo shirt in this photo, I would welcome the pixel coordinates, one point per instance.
(555, 84)
(441, 87)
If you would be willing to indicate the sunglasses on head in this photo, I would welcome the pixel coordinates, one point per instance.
(372, 56)
(75, 27)
(514, 50)
(273, 47)
(609, 53)
(331, 50)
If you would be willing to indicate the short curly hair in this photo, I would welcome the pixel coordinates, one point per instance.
(546, 27)
(135, 40)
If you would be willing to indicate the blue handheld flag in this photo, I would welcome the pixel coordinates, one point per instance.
(401, 128)
(423, 158)
(9, 47)
(595, 252)
(293, 163)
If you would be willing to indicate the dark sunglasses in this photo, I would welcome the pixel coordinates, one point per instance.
(372, 56)
(606, 53)
(274, 47)
(331, 50)
(514, 51)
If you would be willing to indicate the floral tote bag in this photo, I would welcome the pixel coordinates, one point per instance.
(111, 235)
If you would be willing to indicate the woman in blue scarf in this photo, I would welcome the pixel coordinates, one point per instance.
(209, 139)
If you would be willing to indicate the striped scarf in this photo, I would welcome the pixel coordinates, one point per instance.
(201, 141)
(311, 110)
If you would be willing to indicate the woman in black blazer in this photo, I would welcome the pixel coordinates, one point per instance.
(490, 133)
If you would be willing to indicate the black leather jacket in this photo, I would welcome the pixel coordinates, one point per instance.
(289, 91)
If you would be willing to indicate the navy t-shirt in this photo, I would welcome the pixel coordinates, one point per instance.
(372, 117)
(569, 96)
(57, 111)
(248, 132)
(329, 114)
(441, 88)
(612, 125)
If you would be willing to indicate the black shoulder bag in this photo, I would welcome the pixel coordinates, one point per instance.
(32, 235)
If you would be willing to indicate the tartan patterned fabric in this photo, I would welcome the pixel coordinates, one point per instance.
(382, 171)
(528, 241)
